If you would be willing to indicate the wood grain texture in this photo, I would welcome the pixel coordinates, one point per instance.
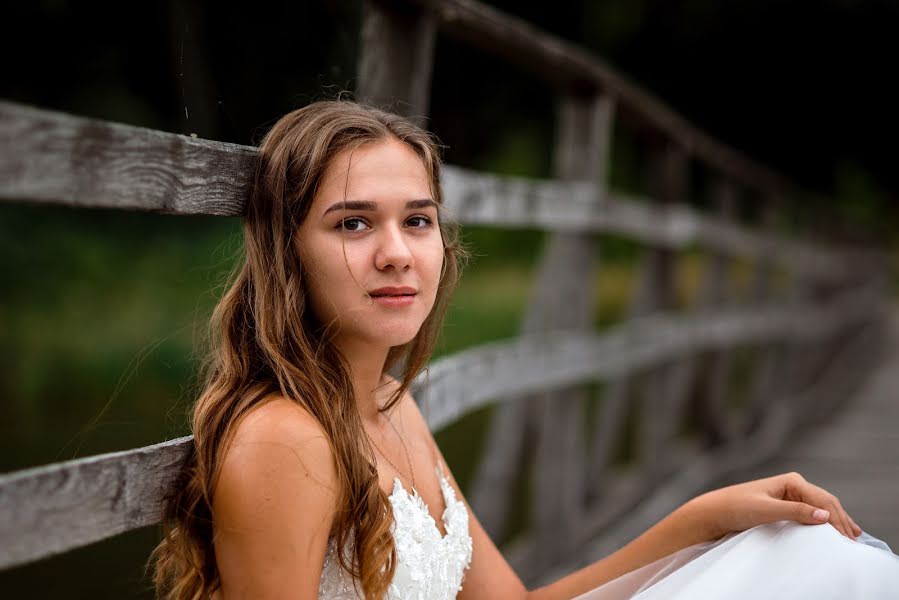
(499, 371)
(52, 509)
(580, 206)
(560, 300)
(396, 57)
(75, 161)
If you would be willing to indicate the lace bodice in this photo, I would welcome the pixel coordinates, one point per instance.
(429, 566)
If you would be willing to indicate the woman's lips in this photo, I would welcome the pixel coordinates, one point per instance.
(394, 296)
(394, 300)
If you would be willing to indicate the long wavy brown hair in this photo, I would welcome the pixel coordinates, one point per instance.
(264, 338)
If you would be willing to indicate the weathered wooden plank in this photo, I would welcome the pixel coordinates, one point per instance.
(76, 161)
(620, 389)
(665, 386)
(625, 490)
(396, 58)
(609, 425)
(560, 300)
(498, 371)
(710, 468)
(52, 509)
(493, 200)
(772, 370)
(718, 424)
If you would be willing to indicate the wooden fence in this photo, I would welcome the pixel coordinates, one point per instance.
(814, 336)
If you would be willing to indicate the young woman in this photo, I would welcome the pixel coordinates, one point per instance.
(314, 474)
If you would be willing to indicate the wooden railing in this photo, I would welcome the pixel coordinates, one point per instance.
(815, 333)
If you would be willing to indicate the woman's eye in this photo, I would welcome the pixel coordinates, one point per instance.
(422, 222)
(351, 224)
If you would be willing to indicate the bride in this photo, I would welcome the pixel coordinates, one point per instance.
(313, 473)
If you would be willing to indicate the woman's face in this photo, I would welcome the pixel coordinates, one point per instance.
(373, 226)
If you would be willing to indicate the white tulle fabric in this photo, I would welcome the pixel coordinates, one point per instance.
(430, 566)
(784, 559)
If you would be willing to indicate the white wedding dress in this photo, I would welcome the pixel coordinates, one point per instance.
(784, 559)
(429, 566)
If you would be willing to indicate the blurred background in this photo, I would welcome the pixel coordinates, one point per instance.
(102, 313)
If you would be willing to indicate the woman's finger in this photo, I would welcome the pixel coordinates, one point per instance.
(840, 516)
(834, 519)
(800, 512)
(837, 515)
(855, 527)
(845, 517)
(818, 496)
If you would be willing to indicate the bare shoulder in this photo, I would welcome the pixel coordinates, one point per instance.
(274, 502)
(278, 416)
(280, 433)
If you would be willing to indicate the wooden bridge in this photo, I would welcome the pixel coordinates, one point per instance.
(817, 321)
(854, 453)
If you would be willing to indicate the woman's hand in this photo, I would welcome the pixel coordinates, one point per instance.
(789, 496)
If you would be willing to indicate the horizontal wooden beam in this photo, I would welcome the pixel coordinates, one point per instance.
(51, 509)
(468, 380)
(52, 157)
(562, 63)
(476, 198)
(81, 162)
(626, 515)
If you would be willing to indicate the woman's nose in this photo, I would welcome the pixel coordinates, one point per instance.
(393, 250)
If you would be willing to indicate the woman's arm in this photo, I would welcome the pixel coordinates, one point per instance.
(273, 506)
(491, 576)
(705, 518)
(709, 517)
(684, 527)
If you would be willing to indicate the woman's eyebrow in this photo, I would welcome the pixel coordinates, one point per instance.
(365, 205)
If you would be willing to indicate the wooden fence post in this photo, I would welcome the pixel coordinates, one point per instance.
(655, 291)
(765, 384)
(562, 298)
(805, 359)
(396, 57)
(667, 384)
(718, 427)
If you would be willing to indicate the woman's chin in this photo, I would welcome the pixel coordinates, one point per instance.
(395, 337)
